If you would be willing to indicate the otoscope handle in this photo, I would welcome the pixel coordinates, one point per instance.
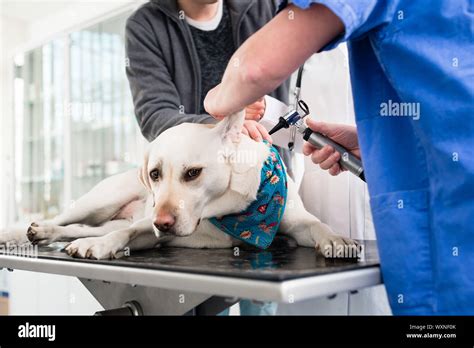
(348, 161)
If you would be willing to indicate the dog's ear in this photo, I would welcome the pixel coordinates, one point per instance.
(245, 161)
(143, 172)
(243, 165)
(242, 179)
(230, 128)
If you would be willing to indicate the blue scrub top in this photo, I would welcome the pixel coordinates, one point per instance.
(412, 73)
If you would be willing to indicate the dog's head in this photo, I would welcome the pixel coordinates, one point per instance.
(190, 166)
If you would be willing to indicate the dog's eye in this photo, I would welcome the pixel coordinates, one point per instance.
(155, 174)
(192, 174)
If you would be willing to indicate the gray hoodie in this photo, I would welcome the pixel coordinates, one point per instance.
(163, 66)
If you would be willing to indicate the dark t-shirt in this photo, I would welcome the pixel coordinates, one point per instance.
(214, 49)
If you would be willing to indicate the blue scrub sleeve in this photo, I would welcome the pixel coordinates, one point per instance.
(358, 16)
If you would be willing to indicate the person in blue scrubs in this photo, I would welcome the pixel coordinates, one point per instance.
(412, 73)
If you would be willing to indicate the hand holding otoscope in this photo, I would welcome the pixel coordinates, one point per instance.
(294, 118)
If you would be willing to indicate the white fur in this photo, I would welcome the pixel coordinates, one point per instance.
(118, 213)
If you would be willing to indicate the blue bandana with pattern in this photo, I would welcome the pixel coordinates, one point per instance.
(258, 224)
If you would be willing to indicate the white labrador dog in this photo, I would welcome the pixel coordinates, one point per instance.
(190, 173)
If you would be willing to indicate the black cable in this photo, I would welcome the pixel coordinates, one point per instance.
(299, 76)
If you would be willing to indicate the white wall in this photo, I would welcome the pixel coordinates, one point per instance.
(12, 32)
(79, 13)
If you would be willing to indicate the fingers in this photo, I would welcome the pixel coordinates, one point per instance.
(308, 149)
(327, 158)
(256, 110)
(264, 133)
(258, 105)
(319, 156)
(255, 116)
(335, 170)
(343, 134)
(321, 127)
(252, 131)
(329, 161)
(256, 131)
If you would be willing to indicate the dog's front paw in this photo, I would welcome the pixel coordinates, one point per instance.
(41, 234)
(97, 248)
(334, 246)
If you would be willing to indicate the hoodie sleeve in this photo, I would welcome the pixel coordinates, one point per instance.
(155, 97)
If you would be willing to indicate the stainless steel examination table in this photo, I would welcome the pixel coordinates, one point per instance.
(205, 281)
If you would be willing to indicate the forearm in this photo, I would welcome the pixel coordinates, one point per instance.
(267, 58)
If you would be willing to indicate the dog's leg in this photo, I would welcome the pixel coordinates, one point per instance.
(14, 235)
(102, 202)
(137, 236)
(305, 228)
(45, 234)
(96, 207)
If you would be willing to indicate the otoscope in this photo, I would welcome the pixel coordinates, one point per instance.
(294, 118)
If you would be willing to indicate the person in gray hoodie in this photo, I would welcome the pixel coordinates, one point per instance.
(173, 62)
(177, 51)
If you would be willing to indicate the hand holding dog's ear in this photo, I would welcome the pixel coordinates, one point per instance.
(256, 110)
(327, 158)
(209, 104)
(256, 131)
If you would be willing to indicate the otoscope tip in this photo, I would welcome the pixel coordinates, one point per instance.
(282, 123)
(274, 129)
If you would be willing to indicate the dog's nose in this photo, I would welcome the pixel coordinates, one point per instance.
(164, 221)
